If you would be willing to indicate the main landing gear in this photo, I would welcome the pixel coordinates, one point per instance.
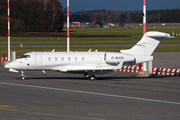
(91, 77)
(23, 77)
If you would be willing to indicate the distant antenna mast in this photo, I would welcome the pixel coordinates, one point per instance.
(67, 25)
(8, 32)
(144, 17)
(144, 31)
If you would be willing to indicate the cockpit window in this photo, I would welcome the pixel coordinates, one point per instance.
(24, 56)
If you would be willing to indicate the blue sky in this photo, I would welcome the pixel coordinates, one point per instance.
(121, 5)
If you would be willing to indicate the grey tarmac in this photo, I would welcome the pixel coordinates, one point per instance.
(114, 96)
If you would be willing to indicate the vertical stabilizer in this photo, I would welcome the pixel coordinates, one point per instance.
(147, 44)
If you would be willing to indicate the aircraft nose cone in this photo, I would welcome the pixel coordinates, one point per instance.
(7, 66)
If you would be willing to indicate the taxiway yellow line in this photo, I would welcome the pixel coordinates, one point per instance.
(10, 110)
(25, 112)
(2, 106)
(71, 116)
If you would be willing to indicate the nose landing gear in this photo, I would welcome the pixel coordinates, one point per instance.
(23, 77)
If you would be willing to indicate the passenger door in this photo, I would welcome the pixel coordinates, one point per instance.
(38, 61)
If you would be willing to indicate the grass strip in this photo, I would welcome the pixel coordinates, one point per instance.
(117, 48)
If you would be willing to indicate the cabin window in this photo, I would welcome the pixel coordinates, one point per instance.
(56, 58)
(82, 58)
(76, 58)
(62, 59)
(49, 58)
(69, 59)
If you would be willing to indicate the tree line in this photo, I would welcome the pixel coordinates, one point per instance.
(114, 16)
(32, 16)
(48, 16)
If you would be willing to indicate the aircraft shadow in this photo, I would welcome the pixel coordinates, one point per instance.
(97, 78)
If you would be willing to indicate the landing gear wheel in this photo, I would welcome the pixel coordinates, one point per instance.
(86, 75)
(89, 76)
(23, 78)
(92, 77)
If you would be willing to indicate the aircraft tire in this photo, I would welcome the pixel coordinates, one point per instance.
(23, 78)
(92, 77)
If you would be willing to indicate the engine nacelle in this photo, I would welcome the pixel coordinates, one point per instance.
(116, 58)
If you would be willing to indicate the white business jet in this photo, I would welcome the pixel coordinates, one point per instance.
(88, 63)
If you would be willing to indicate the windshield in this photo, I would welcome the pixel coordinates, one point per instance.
(24, 56)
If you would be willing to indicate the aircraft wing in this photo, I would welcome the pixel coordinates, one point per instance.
(81, 69)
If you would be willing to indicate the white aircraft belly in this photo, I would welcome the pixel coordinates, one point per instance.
(82, 67)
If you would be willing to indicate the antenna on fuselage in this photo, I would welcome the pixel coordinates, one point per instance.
(89, 50)
(53, 50)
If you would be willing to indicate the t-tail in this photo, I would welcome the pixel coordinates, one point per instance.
(147, 44)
